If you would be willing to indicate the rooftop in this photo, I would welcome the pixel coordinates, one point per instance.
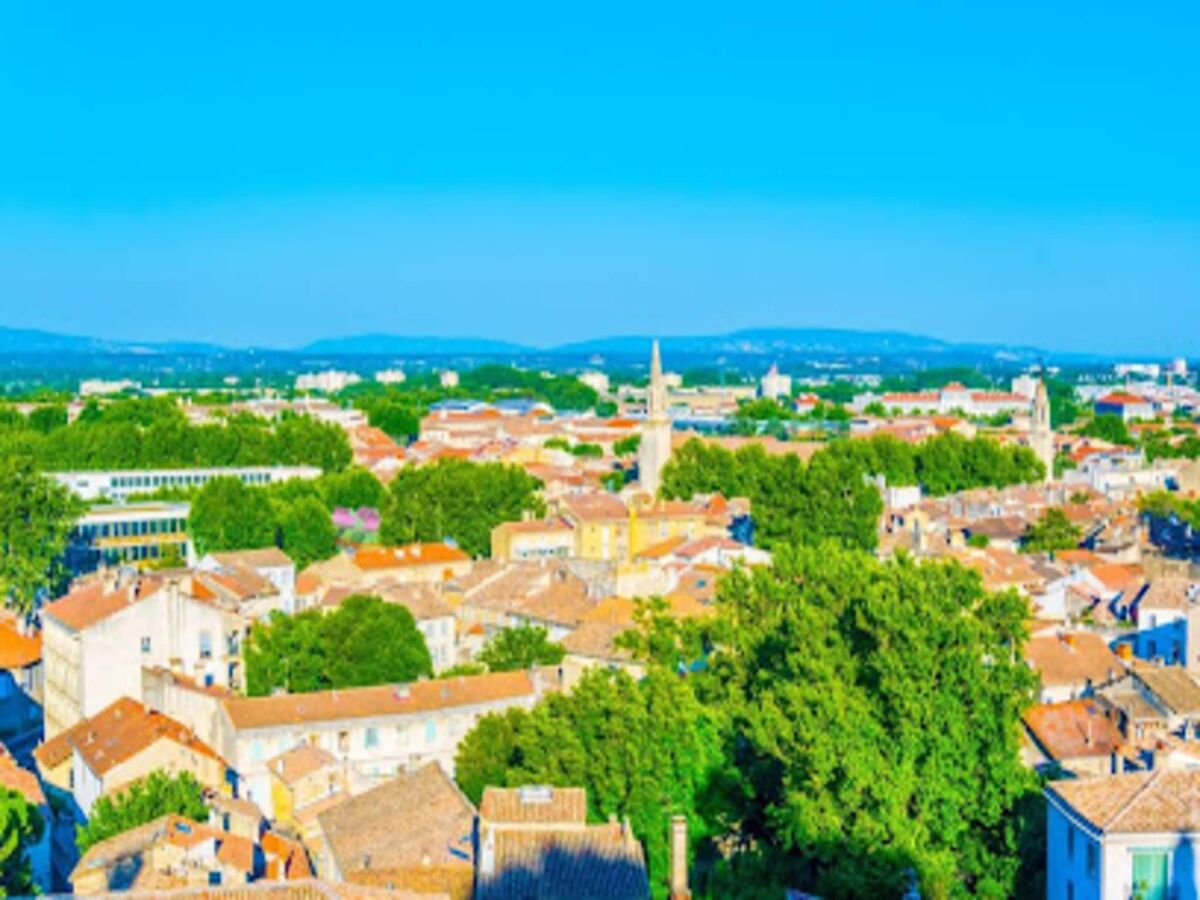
(1161, 801)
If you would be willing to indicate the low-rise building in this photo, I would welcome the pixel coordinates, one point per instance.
(128, 533)
(1122, 836)
(1071, 664)
(374, 731)
(1075, 736)
(118, 485)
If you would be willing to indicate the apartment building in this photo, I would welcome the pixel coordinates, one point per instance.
(97, 639)
(128, 534)
(120, 484)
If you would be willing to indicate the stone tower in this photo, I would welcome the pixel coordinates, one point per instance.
(655, 448)
(1041, 436)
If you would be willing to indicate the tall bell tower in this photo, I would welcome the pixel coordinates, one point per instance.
(655, 447)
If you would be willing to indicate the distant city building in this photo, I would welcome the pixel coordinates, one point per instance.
(98, 387)
(953, 398)
(655, 447)
(1179, 368)
(390, 376)
(597, 381)
(774, 385)
(119, 485)
(448, 379)
(1144, 370)
(328, 382)
(1041, 436)
(1125, 405)
(1026, 386)
(128, 533)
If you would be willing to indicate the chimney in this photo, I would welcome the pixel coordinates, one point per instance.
(679, 859)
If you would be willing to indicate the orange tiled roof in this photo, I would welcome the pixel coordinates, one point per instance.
(373, 557)
(17, 650)
(15, 778)
(1077, 728)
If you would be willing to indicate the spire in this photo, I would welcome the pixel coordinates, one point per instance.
(655, 363)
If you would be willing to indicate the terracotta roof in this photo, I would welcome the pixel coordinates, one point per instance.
(418, 818)
(599, 506)
(1121, 398)
(373, 557)
(1071, 730)
(304, 759)
(90, 603)
(1173, 686)
(595, 861)
(15, 778)
(304, 889)
(663, 548)
(17, 651)
(1167, 593)
(381, 700)
(264, 558)
(1157, 802)
(534, 804)
(1072, 658)
(596, 640)
(1118, 576)
(119, 732)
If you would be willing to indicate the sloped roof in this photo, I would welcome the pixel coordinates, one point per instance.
(1074, 729)
(15, 778)
(1160, 801)
(1072, 658)
(303, 759)
(264, 558)
(17, 651)
(534, 804)
(418, 818)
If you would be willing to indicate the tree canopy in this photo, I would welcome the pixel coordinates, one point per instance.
(21, 828)
(457, 500)
(1108, 427)
(1051, 533)
(520, 648)
(365, 641)
(228, 515)
(798, 732)
(142, 801)
(36, 517)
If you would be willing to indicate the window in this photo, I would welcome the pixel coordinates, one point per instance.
(1150, 874)
(1070, 842)
(145, 645)
(371, 738)
(1091, 858)
(205, 645)
(256, 751)
(1070, 890)
(430, 731)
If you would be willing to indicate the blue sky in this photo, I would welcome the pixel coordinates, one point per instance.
(261, 173)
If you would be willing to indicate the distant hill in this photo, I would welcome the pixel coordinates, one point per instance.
(769, 341)
(400, 345)
(28, 340)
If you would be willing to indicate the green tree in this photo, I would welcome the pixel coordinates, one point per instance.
(228, 515)
(142, 801)
(1109, 428)
(352, 489)
(845, 770)
(36, 517)
(365, 641)
(1051, 533)
(627, 446)
(520, 648)
(306, 531)
(21, 828)
(645, 750)
(458, 500)
(47, 418)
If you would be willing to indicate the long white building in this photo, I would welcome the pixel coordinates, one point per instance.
(119, 485)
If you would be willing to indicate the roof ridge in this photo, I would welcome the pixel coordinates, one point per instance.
(1155, 777)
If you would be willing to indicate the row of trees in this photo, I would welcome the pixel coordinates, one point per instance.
(365, 641)
(808, 750)
(140, 434)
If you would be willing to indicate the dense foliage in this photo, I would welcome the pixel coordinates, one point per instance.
(520, 648)
(142, 801)
(1051, 533)
(36, 517)
(811, 747)
(1109, 428)
(645, 750)
(365, 641)
(154, 433)
(457, 500)
(793, 503)
(21, 828)
(831, 496)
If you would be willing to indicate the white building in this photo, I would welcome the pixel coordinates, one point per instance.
(952, 399)
(128, 533)
(448, 379)
(269, 563)
(1142, 370)
(98, 387)
(120, 484)
(375, 732)
(97, 639)
(774, 385)
(390, 376)
(597, 381)
(1120, 836)
(328, 382)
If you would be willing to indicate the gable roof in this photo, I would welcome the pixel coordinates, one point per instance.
(303, 759)
(17, 650)
(120, 731)
(380, 700)
(262, 558)
(1173, 686)
(1072, 658)
(15, 778)
(1077, 728)
(418, 818)
(534, 804)
(94, 601)
(1160, 801)
(375, 557)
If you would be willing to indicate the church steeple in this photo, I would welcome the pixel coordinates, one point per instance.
(655, 447)
(1041, 437)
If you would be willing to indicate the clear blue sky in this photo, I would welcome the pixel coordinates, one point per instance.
(259, 173)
